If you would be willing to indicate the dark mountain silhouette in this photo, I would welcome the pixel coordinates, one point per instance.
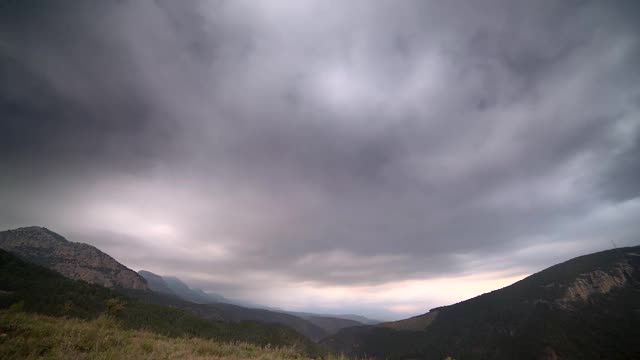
(74, 260)
(585, 308)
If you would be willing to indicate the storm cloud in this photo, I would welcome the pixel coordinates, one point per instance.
(253, 147)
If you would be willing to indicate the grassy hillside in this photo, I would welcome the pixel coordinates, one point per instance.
(30, 336)
(43, 291)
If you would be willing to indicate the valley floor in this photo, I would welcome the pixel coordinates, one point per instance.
(30, 336)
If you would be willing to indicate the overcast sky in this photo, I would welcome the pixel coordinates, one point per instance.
(375, 157)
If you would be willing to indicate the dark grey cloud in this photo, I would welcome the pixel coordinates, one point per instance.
(622, 177)
(326, 143)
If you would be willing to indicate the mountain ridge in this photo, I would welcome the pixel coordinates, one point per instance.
(314, 326)
(329, 322)
(75, 260)
(587, 307)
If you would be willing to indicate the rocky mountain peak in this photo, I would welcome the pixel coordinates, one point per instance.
(74, 260)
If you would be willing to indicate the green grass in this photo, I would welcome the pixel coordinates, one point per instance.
(32, 336)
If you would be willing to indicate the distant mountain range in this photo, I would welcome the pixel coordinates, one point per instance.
(358, 319)
(585, 308)
(174, 286)
(314, 326)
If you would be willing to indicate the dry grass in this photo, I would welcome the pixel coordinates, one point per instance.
(30, 336)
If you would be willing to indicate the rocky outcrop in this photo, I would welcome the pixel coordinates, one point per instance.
(74, 260)
(597, 282)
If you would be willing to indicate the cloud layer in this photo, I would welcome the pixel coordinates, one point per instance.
(322, 149)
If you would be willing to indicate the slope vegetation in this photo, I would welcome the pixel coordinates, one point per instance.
(585, 308)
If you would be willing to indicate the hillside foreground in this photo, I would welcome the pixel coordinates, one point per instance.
(29, 336)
